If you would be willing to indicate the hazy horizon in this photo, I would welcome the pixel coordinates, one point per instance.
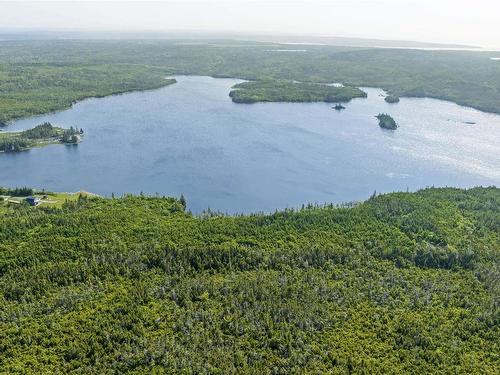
(443, 21)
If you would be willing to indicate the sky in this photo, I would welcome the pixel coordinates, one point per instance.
(472, 22)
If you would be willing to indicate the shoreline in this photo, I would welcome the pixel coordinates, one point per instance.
(5, 125)
(173, 79)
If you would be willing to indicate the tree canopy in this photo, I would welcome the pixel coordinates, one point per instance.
(402, 283)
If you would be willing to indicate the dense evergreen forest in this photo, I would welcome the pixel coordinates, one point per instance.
(289, 91)
(402, 283)
(41, 76)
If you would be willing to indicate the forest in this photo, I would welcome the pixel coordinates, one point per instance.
(289, 91)
(34, 89)
(47, 75)
(401, 283)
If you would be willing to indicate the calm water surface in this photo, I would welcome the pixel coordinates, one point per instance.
(190, 138)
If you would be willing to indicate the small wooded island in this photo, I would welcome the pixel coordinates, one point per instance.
(392, 99)
(41, 135)
(386, 122)
(291, 91)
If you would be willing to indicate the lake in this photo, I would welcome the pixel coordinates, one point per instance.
(190, 138)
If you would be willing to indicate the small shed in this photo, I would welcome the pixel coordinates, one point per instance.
(33, 201)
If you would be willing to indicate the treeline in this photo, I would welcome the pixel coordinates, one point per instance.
(28, 89)
(13, 144)
(71, 135)
(45, 130)
(17, 192)
(402, 283)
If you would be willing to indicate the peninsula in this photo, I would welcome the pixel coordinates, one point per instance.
(39, 136)
(290, 91)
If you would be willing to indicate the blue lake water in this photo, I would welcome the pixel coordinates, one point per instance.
(190, 138)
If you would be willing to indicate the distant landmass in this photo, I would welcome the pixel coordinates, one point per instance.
(10, 34)
(360, 42)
